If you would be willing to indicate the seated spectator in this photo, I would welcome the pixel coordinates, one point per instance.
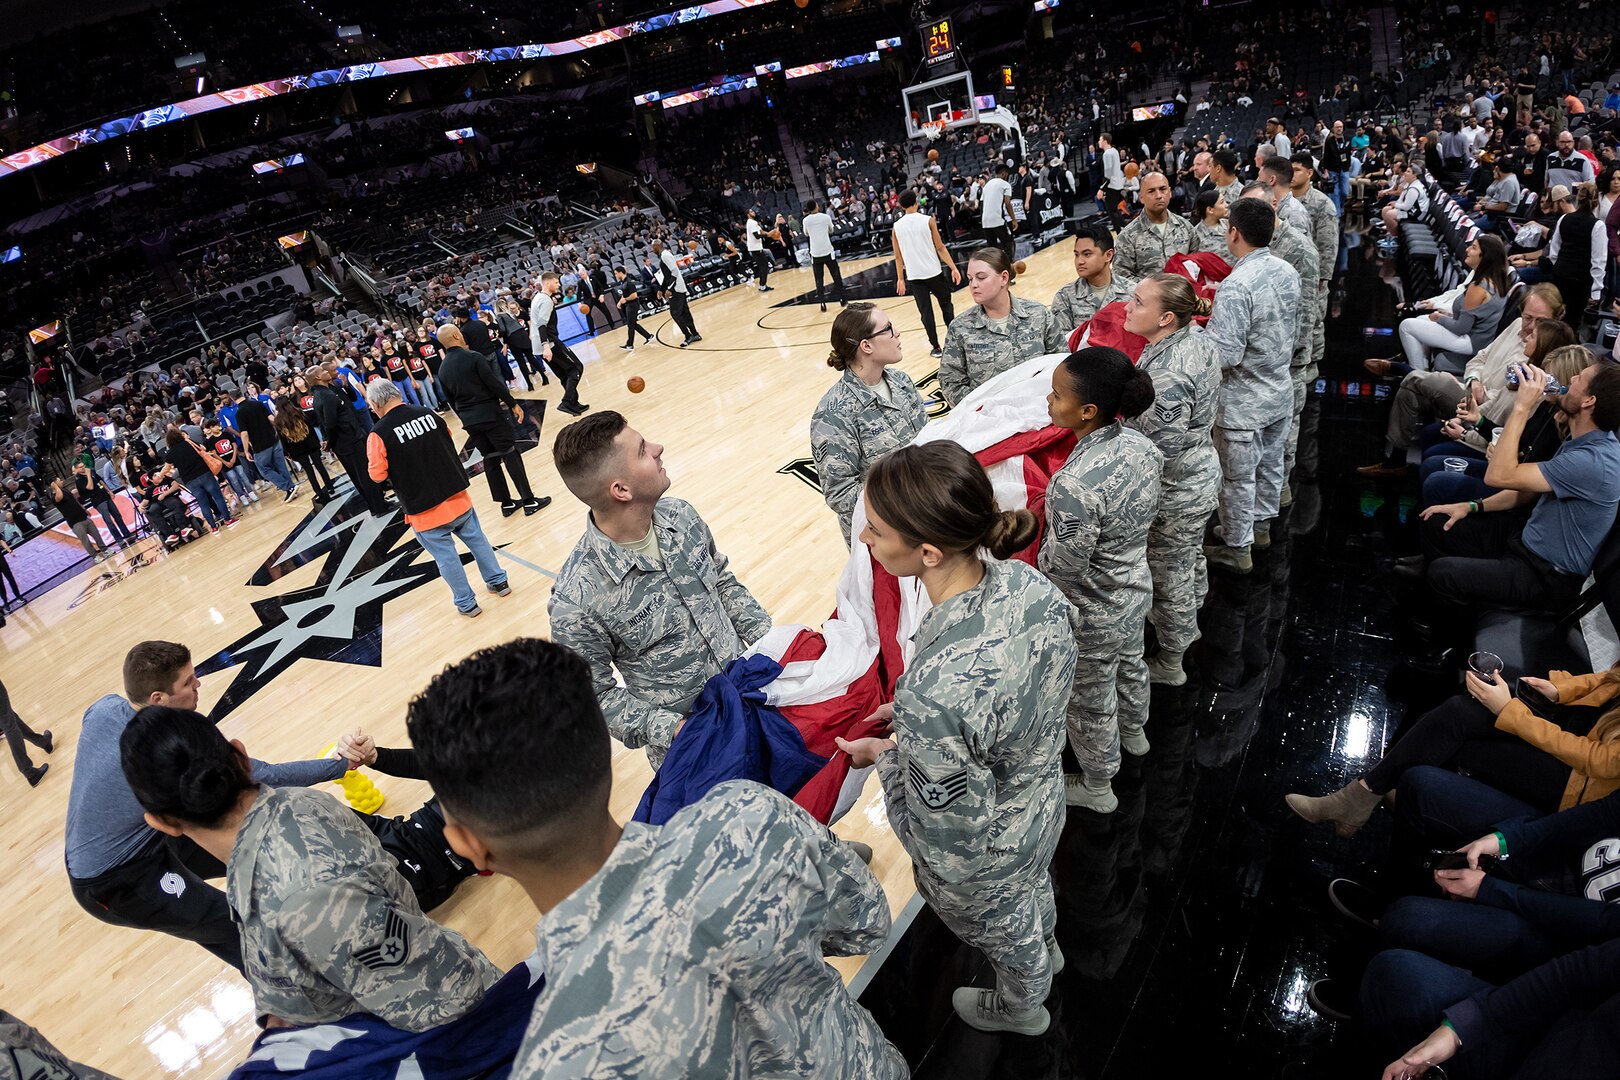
(1576, 257)
(1471, 321)
(1492, 553)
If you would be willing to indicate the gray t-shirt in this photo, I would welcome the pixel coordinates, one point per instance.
(1571, 520)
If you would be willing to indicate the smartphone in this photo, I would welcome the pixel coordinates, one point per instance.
(1534, 699)
(1454, 860)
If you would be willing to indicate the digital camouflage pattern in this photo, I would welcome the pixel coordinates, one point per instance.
(1079, 300)
(975, 790)
(1295, 249)
(1186, 376)
(1100, 507)
(696, 951)
(668, 629)
(1254, 326)
(1141, 248)
(25, 1054)
(852, 427)
(976, 351)
(329, 928)
(1212, 238)
(1325, 235)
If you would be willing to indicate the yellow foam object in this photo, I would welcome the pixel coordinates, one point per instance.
(357, 788)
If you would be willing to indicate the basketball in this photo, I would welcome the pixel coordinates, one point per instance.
(636, 384)
(585, 309)
(1020, 268)
(933, 155)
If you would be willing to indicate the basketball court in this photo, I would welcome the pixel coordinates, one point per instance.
(308, 622)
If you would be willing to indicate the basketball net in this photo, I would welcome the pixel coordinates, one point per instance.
(931, 129)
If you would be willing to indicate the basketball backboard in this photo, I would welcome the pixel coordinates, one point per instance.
(947, 100)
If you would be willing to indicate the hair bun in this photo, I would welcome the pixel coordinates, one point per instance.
(204, 788)
(1203, 306)
(1011, 531)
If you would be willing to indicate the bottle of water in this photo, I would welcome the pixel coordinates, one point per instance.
(1553, 385)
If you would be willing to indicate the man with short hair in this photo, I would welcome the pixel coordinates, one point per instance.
(818, 230)
(1277, 173)
(1531, 544)
(672, 286)
(1255, 325)
(762, 259)
(487, 412)
(545, 340)
(1277, 138)
(344, 434)
(1097, 281)
(1111, 195)
(1223, 166)
(263, 444)
(121, 870)
(645, 590)
(1567, 165)
(412, 447)
(1324, 234)
(1198, 182)
(920, 263)
(996, 217)
(1335, 164)
(1148, 242)
(693, 948)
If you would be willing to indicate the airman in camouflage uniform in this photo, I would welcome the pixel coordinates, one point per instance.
(1293, 211)
(1298, 251)
(1325, 235)
(976, 350)
(25, 1054)
(330, 929)
(1099, 508)
(975, 789)
(1232, 192)
(853, 426)
(1142, 248)
(1212, 238)
(696, 951)
(1254, 326)
(1186, 375)
(667, 625)
(1079, 300)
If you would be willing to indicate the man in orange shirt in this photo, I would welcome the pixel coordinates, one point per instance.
(412, 447)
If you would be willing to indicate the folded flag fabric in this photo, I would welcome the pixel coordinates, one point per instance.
(774, 714)
(479, 1046)
(1204, 269)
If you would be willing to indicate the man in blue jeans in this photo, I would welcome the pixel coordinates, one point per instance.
(260, 440)
(412, 447)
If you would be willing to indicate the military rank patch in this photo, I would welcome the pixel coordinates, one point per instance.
(392, 950)
(937, 794)
(1166, 413)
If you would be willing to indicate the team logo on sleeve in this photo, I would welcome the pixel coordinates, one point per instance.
(937, 794)
(392, 950)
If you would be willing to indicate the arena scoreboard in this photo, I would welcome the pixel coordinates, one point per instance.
(939, 42)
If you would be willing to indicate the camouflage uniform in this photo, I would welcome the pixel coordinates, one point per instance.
(1254, 327)
(852, 427)
(977, 351)
(1078, 300)
(330, 929)
(1232, 192)
(25, 1054)
(1298, 251)
(1325, 235)
(1293, 211)
(1186, 382)
(975, 791)
(1141, 248)
(1211, 238)
(1099, 508)
(696, 951)
(668, 628)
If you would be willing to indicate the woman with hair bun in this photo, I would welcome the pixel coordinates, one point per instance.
(329, 927)
(1099, 508)
(973, 779)
(873, 409)
(1186, 371)
(998, 333)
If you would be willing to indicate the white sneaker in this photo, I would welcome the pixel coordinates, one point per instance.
(1076, 792)
(1133, 743)
(985, 1011)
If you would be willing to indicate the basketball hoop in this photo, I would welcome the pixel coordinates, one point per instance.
(931, 129)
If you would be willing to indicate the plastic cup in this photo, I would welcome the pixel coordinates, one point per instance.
(1485, 664)
(1456, 464)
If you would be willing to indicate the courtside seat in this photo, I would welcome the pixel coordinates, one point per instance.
(1536, 643)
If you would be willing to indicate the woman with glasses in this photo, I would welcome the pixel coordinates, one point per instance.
(872, 409)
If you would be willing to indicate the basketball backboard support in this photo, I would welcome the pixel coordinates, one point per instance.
(948, 99)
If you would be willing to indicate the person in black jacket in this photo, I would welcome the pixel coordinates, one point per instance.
(486, 409)
(93, 492)
(593, 285)
(516, 334)
(476, 333)
(630, 306)
(549, 344)
(334, 410)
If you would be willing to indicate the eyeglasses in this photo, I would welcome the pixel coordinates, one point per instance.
(887, 331)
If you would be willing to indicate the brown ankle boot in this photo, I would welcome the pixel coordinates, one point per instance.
(1348, 808)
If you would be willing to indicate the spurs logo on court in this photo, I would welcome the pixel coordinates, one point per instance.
(804, 468)
(368, 561)
(394, 947)
(108, 578)
(937, 794)
(173, 884)
(37, 1065)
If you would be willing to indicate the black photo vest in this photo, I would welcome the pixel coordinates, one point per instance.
(422, 461)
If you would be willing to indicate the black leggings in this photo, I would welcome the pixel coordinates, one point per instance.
(310, 458)
(1461, 733)
(5, 572)
(17, 732)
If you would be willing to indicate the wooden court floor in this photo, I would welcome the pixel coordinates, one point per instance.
(733, 412)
